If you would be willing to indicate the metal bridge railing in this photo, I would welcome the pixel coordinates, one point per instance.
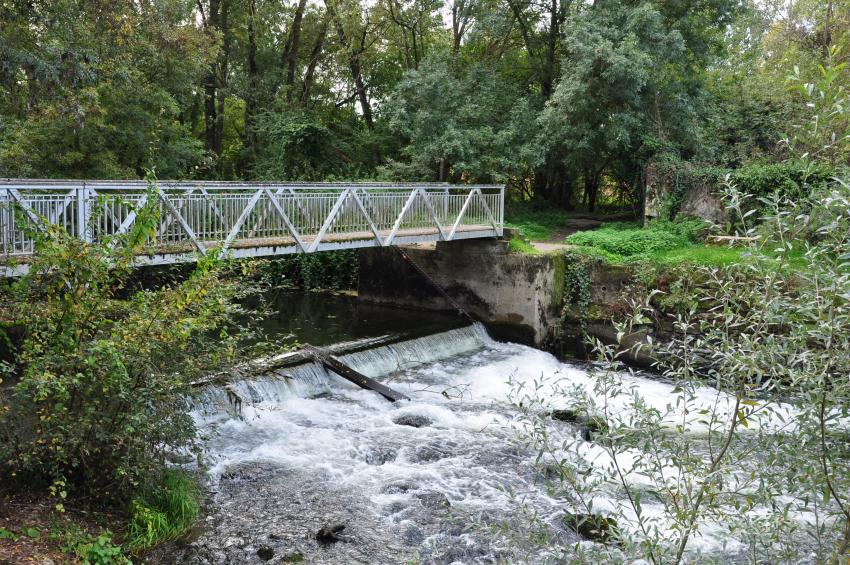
(300, 217)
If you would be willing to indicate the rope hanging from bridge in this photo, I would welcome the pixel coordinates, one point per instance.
(434, 284)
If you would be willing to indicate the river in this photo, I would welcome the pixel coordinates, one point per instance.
(443, 478)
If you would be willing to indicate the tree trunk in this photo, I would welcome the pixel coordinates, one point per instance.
(292, 44)
(315, 54)
(460, 20)
(591, 189)
(354, 66)
(250, 134)
(211, 82)
(222, 77)
(444, 168)
(328, 361)
(548, 79)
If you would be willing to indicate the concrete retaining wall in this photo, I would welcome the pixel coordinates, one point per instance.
(518, 296)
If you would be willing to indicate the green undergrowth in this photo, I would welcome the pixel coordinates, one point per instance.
(520, 245)
(90, 549)
(539, 220)
(660, 242)
(332, 270)
(534, 221)
(163, 511)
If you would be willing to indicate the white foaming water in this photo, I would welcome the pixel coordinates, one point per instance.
(462, 459)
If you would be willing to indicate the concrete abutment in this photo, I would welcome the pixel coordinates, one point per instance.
(517, 296)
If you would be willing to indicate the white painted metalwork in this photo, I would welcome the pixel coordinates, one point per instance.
(247, 219)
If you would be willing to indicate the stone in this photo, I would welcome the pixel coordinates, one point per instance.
(330, 534)
(588, 425)
(379, 455)
(398, 487)
(412, 534)
(265, 553)
(433, 500)
(428, 454)
(565, 415)
(412, 420)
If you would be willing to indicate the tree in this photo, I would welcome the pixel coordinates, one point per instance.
(459, 125)
(96, 100)
(629, 88)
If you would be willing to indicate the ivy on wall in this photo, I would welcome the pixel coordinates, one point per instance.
(575, 290)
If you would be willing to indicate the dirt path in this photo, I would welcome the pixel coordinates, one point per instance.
(572, 226)
(555, 242)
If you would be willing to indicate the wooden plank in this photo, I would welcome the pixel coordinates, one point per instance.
(328, 361)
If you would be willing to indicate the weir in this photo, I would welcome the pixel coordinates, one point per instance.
(293, 374)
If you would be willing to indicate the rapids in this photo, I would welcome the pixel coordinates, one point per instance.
(439, 479)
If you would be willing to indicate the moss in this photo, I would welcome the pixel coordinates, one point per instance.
(576, 289)
(519, 245)
(559, 265)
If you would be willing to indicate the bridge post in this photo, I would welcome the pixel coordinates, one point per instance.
(5, 221)
(83, 214)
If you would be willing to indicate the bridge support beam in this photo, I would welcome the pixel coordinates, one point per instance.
(515, 295)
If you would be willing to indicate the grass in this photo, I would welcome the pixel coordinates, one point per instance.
(698, 255)
(536, 222)
(163, 511)
(539, 221)
(664, 243)
(519, 245)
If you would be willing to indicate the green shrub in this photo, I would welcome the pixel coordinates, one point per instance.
(164, 510)
(99, 387)
(628, 242)
(662, 242)
(334, 270)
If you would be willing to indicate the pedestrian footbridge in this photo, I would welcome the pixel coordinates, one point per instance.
(244, 220)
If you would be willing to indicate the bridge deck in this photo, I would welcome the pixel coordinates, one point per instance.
(245, 220)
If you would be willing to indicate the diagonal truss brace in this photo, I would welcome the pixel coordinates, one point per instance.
(234, 231)
(432, 213)
(183, 223)
(367, 216)
(282, 213)
(329, 220)
(400, 218)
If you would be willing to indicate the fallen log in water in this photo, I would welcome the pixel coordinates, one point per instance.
(276, 364)
(328, 361)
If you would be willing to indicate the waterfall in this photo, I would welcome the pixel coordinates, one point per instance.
(221, 402)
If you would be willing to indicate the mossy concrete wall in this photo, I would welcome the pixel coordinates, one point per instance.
(518, 296)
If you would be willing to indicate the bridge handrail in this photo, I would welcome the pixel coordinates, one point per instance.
(290, 217)
(113, 185)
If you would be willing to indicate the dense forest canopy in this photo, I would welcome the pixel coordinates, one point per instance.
(560, 99)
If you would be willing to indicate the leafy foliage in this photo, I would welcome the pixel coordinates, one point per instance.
(335, 270)
(163, 510)
(99, 382)
(628, 241)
